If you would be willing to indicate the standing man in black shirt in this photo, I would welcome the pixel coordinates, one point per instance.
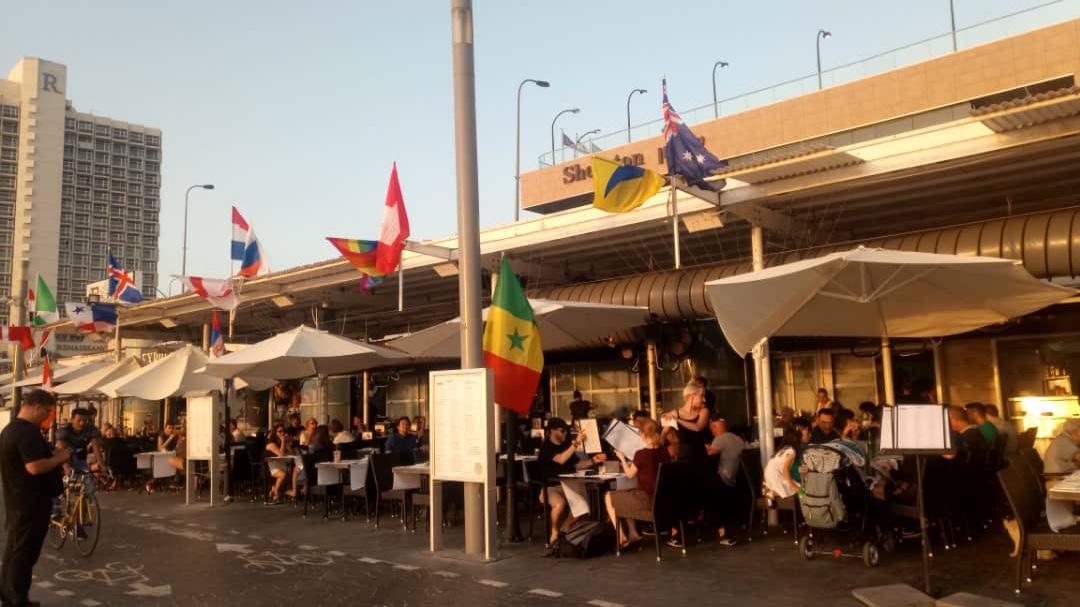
(30, 473)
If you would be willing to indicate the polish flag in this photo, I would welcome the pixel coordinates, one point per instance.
(219, 292)
(394, 229)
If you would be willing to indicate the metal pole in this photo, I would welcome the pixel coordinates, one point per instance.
(887, 370)
(821, 34)
(675, 222)
(183, 258)
(952, 21)
(517, 157)
(650, 359)
(364, 412)
(468, 203)
(553, 121)
(939, 373)
(715, 102)
(761, 362)
(628, 97)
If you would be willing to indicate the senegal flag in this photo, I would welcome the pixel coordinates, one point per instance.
(619, 188)
(512, 344)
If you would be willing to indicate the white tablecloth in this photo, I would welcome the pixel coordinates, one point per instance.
(330, 472)
(409, 477)
(1067, 489)
(157, 462)
(575, 486)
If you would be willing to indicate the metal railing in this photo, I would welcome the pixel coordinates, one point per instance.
(937, 46)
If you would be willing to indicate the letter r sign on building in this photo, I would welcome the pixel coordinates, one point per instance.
(48, 83)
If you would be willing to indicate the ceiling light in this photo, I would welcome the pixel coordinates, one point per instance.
(283, 301)
(168, 323)
(701, 222)
(445, 270)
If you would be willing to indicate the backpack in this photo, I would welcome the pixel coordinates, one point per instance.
(586, 539)
(820, 501)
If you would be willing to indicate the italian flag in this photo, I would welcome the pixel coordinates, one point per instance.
(45, 310)
(512, 347)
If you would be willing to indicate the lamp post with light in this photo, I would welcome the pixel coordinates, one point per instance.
(183, 259)
(821, 35)
(628, 97)
(715, 103)
(572, 110)
(517, 148)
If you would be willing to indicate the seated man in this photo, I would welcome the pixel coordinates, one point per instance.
(976, 413)
(84, 439)
(403, 441)
(969, 443)
(1063, 454)
(824, 431)
(559, 456)
(1004, 428)
(729, 447)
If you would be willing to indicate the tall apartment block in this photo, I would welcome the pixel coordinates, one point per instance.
(73, 187)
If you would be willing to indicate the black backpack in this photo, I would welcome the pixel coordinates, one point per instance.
(586, 539)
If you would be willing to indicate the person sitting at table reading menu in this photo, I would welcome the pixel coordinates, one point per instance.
(559, 456)
(402, 442)
(645, 466)
(167, 439)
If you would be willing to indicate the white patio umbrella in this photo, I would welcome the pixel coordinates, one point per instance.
(173, 375)
(876, 293)
(562, 324)
(62, 372)
(89, 382)
(302, 352)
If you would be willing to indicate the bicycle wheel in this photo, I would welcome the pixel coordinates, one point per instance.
(89, 523)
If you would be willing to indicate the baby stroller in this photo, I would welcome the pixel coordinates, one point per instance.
(836, 503)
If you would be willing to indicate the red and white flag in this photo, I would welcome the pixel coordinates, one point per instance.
(219, 292)
(46, 375)
(19, 335)
(394, 229)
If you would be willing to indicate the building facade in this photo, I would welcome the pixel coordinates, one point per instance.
(73, 187)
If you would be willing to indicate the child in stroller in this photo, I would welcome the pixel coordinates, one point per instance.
(835, 501)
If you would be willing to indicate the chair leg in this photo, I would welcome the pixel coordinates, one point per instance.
(378, 506)
(656, 536)
(682, 534)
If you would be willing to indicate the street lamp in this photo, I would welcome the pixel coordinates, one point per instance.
(628, 97)
(586, 134)
(715, 103)
(517, 156)
(572, 110)
(821, 34)
(183, 259)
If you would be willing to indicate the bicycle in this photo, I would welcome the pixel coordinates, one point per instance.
(80, 516)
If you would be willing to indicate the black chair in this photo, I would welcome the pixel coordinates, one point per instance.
(240, 475)
(1035, 533)
(260, 483)
(1026, 440)
(121, 461)
(671, 504)
(311, 473)
(536, 484)
(382, 468)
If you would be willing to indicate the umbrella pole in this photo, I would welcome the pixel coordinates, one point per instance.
(650, 360)
(922, 526)
(887, 369)
(513, 533)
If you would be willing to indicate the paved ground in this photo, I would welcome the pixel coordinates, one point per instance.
(156, 551)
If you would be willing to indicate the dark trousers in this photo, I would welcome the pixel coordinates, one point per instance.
(25, 534)
(725, 505)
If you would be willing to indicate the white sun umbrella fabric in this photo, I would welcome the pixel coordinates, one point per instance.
(869, 292)
(89, 383)
(173, 375)
(563, 325)
(302, 352)
(62, 373)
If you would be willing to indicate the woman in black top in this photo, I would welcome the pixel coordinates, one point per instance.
(693, 423)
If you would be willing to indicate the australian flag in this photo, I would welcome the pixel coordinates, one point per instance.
(686, 156)
(121, 286)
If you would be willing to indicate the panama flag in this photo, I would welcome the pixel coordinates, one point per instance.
(218, 292)
(246, 248)
(217, 340)
(91, 318)
(394, 229)
(121, 286)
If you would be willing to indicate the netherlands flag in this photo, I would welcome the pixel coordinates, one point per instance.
(245, 248)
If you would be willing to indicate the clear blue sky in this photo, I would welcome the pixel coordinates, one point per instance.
(295, 111)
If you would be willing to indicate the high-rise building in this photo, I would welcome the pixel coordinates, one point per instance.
(73, 187)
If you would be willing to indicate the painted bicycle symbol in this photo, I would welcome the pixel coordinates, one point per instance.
(110, 575)
(272, 563)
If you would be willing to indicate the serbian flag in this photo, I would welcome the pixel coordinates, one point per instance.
(121, 286)
(20, 335)
(217, 340)
(512, 347)
(219, 292)
(394, 229)
(246, 248)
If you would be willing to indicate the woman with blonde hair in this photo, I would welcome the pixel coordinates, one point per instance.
(692, 423)
(645, 467)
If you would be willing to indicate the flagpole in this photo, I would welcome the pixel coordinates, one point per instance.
(675, 222)
(400, 288)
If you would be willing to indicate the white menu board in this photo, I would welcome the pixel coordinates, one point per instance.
(462, 406)
(201, 425)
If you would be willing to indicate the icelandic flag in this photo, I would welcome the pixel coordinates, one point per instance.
(218, 292)
(217, 340)
(246, 248)
(121, 286)
(394, 229)
(92, 318)
(686, 156)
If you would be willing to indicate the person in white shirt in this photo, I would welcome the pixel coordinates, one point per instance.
(340, 434)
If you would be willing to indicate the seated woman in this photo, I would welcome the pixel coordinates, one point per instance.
(166, 441)
(340, 434)
(645, 467)
(277, 445)
(781, 473)
(179, 458)
(320, 446)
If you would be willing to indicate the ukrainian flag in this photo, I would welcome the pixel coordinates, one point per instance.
(619, 188)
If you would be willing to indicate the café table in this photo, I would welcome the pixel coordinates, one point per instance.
(579, 486)
(157, 462)
(330, 473)
(1068, 489)
(410, 477)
